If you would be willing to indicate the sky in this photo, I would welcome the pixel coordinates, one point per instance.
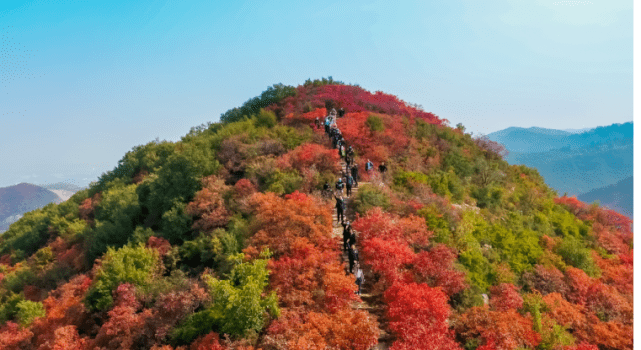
(83, 82)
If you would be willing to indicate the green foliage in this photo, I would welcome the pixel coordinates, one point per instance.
(370, 196)
(462, 166)
(27, 234)
(17, 279)
(266, 119)
(130, 264)
(447, 184)
(566, 224)
(116, 218)
(424, 129)
(406, 178)
(273, 94)
(321, 82)
(436, 222)
(238, 303)
(175, 224)
(9, 307)
(575, 253)
(374, 123)
(284, 182)
(202, 250)
(28, 311)
(488, 197)
(480, 271)
(520, 249)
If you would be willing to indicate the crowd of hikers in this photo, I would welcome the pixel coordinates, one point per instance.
(348, 180)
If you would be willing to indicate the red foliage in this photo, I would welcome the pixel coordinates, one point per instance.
(582, 346)
(606, 301)
(436, 268)
(578, 283)
(308, 156)
(124, 325)
(210, 341)
(244, 188)
(545, 279)
(160, 244)
(505, 296)
(209, 205)
(87, 208)
(616, 273)
(66, 338)
(376, 223)
(387, 257)
(418, 315)
(509, 330)
(281, 221)
(14, 337)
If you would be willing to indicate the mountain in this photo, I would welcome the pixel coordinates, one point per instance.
(538, 140)
(576, 163)
(19, 199)
(618, 197)
(229, 239)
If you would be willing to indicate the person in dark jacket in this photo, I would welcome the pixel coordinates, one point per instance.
(349, 182)
(347, 231)
(340, 209)
(341, 113)
(369, 165)
(352, 238)
(382, 168)
(351, 255)
(355, 174)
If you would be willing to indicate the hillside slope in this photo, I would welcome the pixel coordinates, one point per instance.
(225, 240)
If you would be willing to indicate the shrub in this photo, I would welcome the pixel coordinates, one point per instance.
(28, 311)
(374, 123)
(130, 264)
(368, 197)
(576, 254)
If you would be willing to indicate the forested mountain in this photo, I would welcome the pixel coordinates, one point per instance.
(19, 199)
(578, 163)
(224, 240)
(618, 197)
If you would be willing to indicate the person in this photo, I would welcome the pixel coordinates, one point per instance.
(317, 123)
(360, 278)
(340, 147)
(352, 238)
(333, 111)
(369, 165)
(351, 256)
(341, 113)
(340, 185)
(350, 151)
(349, 182)
(327, 189)
(347, 230)
(348, 162)
(355, 174)
(382, 168)
(327, 122)
(340, 208)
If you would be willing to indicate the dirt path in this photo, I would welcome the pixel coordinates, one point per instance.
(370, 302)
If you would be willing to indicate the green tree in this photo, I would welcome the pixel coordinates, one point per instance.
(29, 311)
(130, 264)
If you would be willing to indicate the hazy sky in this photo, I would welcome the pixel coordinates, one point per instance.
(82, 82)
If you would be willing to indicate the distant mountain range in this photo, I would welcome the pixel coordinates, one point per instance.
(21, 198)
(594, 164)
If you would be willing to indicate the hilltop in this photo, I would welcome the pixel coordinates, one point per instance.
(225, 240)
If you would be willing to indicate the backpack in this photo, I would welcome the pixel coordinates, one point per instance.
(350, 181)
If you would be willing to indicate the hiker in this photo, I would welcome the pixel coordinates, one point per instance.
(341, 113)
(360, 278)
(340, 204)
(340, 185)
(317, 123)
(327, 123)
(333, 112)
(352, 238)
(382, 168)
(347, 230)
(352, 255)
(327, 189)
(350, 151)
(340, 147)
(369, 166)
(348, 162)
(355, 174)
(349, 182)
(342, 150)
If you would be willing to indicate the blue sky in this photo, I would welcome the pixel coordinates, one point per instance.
(82, 82)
